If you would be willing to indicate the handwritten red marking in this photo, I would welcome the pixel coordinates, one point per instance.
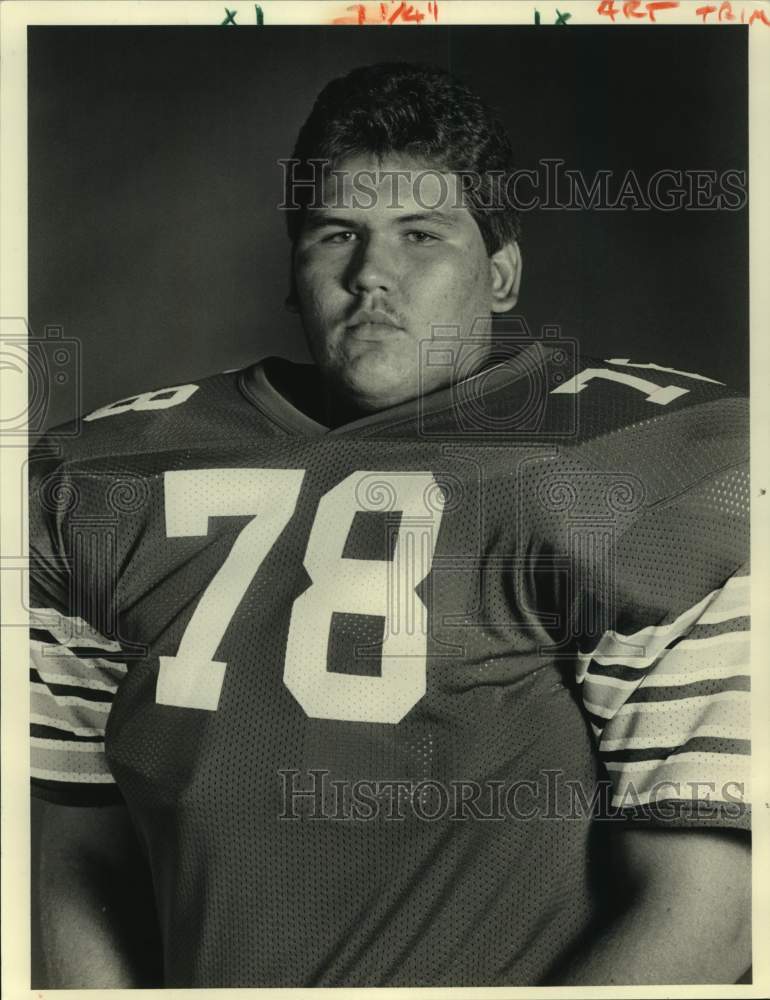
(607, 9)
(631, 9)
(654, 5)
(759, 15)
(359, 17)
(400, 11)
(726, 13)
(409, 13)
(635, 9)
(389, 13)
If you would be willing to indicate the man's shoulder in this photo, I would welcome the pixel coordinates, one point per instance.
(613, 419)
(615, 407)
(620, 394)
(670, 426)
(158, 419)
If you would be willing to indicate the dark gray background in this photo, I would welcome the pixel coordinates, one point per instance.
(155, 241)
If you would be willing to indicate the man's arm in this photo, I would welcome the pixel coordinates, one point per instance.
(688, 919)
(97, 922)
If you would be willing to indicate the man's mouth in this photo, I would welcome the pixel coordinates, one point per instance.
(372, 323)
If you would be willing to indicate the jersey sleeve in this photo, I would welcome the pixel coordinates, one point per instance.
(669, 705)
(662, 597)
(74, 670)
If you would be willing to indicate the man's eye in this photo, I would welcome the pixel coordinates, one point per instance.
(342, 236)
(418, 236)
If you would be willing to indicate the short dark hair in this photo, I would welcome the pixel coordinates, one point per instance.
(419, 111)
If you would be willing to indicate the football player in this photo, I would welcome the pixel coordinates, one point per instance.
(424, 664)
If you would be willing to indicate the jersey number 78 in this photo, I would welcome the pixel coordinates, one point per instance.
(193, 678)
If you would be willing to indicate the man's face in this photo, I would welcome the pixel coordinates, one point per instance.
(376, 271)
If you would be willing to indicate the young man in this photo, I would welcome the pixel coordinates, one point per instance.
(423, 665)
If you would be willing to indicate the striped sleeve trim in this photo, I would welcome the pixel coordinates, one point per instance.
(70, 760)
(698, 689)
(51, 722)
(74, 674)
(605, 700)
(84, 652)
(706, 731)
(734, 601)
(670, 705)
(639, 650)
(670, 722)
(44, 698)
(698, 744)
(691, 779)
(54, 678)
(69, 630)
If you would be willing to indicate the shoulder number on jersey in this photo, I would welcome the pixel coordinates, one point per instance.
(653, 392)
(157, 399)
(193, 678)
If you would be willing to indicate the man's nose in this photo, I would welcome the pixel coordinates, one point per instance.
(371, 267)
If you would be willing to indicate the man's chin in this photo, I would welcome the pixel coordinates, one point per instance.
(373, 383)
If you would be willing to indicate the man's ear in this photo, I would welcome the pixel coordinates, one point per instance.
(506, 277)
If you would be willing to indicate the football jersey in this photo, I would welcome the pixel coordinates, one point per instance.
(379, 697)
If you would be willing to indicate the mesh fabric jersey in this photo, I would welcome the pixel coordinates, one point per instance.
(363, 690)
